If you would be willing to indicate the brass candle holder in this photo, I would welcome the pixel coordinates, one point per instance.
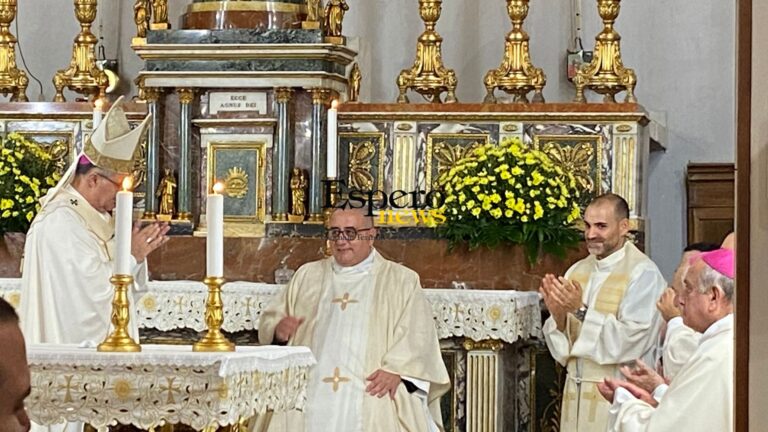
(119, 340)
(428, 76)
(214, 340)
(516, 75)
(12, 80)
(606, 74)
(82, 75)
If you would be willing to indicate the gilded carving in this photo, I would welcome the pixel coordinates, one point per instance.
(166, 192)
(575, 159)
(299, 186)
(334, 17)
(186, 95)
(160, 11)
(283, 94)
(236, 183)
(360, 163)
(355, 78)
(141, 17)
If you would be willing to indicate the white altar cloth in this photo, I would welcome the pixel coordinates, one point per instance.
(164, 383)
(475, 314)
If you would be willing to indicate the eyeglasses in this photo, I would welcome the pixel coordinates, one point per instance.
(119, 185)
(348, 233)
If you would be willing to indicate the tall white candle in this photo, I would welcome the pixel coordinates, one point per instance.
(332, 141)
(215, 243)
(97, 113)
(123, 226)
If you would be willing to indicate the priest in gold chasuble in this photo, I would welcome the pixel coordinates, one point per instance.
(603, 313)
(368, 323)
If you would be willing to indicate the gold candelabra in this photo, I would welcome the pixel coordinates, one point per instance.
(82, 75)
(12, 80)
(516, 75)
(214, 340)
(428, 76)
(119, 340)
(606, 74)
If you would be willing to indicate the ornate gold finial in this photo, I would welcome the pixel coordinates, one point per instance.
(355, 77)
(428, 76)
(141, 15)
(298, 195)
(314, 15)
(516, 75)
(12, 80)
(236, 183)
(606, 74)
(82, 75)
(166, 192)
(119, 340)
(333, 20)
(159, 15)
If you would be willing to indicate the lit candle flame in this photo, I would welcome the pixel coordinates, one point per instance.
(218, 188)
(127, 183)
(98, 103)
(334, 104)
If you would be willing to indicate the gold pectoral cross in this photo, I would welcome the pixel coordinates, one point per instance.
(345, 300)
(336, 379)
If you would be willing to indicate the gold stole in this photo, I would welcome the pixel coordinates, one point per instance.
(581, 389)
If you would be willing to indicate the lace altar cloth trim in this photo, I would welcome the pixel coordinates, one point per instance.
(164, 384)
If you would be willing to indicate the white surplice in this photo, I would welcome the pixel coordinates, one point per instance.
(700, 398)
(357, 320)
(680, 342)
(606, 341)
(66, 294)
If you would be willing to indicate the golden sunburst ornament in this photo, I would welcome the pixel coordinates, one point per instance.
(236, 183)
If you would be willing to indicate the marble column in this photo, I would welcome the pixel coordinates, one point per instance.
(319, 117)
(282, 155)
(186, 98)
(485, 392)
(152, 96)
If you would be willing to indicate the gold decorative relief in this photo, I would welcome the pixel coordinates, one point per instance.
(12, 79)
(445, 150)
(577, 154)
(236, 183)
(360, 163)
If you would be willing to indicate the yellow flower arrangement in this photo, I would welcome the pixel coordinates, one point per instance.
(510, 194)
(26, 174)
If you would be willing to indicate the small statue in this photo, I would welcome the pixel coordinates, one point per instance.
(298, 192)
(165, 191)
(141, 17)
(354, 83)
(314, 9)
(334, 16)
(159, 11)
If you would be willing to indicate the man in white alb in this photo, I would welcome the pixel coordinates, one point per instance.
(367, 321)
(700, 398)
(603, 312)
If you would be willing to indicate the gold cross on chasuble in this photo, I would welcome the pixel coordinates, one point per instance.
(593, 398)
(345, 300)
(335, 379)
(568, 397)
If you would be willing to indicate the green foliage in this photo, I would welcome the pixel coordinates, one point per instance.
(510, 194)
(26, 174)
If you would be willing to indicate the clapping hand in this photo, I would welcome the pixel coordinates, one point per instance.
(642, 376)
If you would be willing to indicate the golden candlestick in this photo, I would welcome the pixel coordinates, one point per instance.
(82, 75)
(516, 75)
(119, 340)
(428, 76)
(606, 74)
(12, 80)
(214, 340)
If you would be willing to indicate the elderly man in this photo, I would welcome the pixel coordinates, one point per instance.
(602, 312)
(68, 256)
(368, 323)
(14, 373)
(701, 396)
(679, 340)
